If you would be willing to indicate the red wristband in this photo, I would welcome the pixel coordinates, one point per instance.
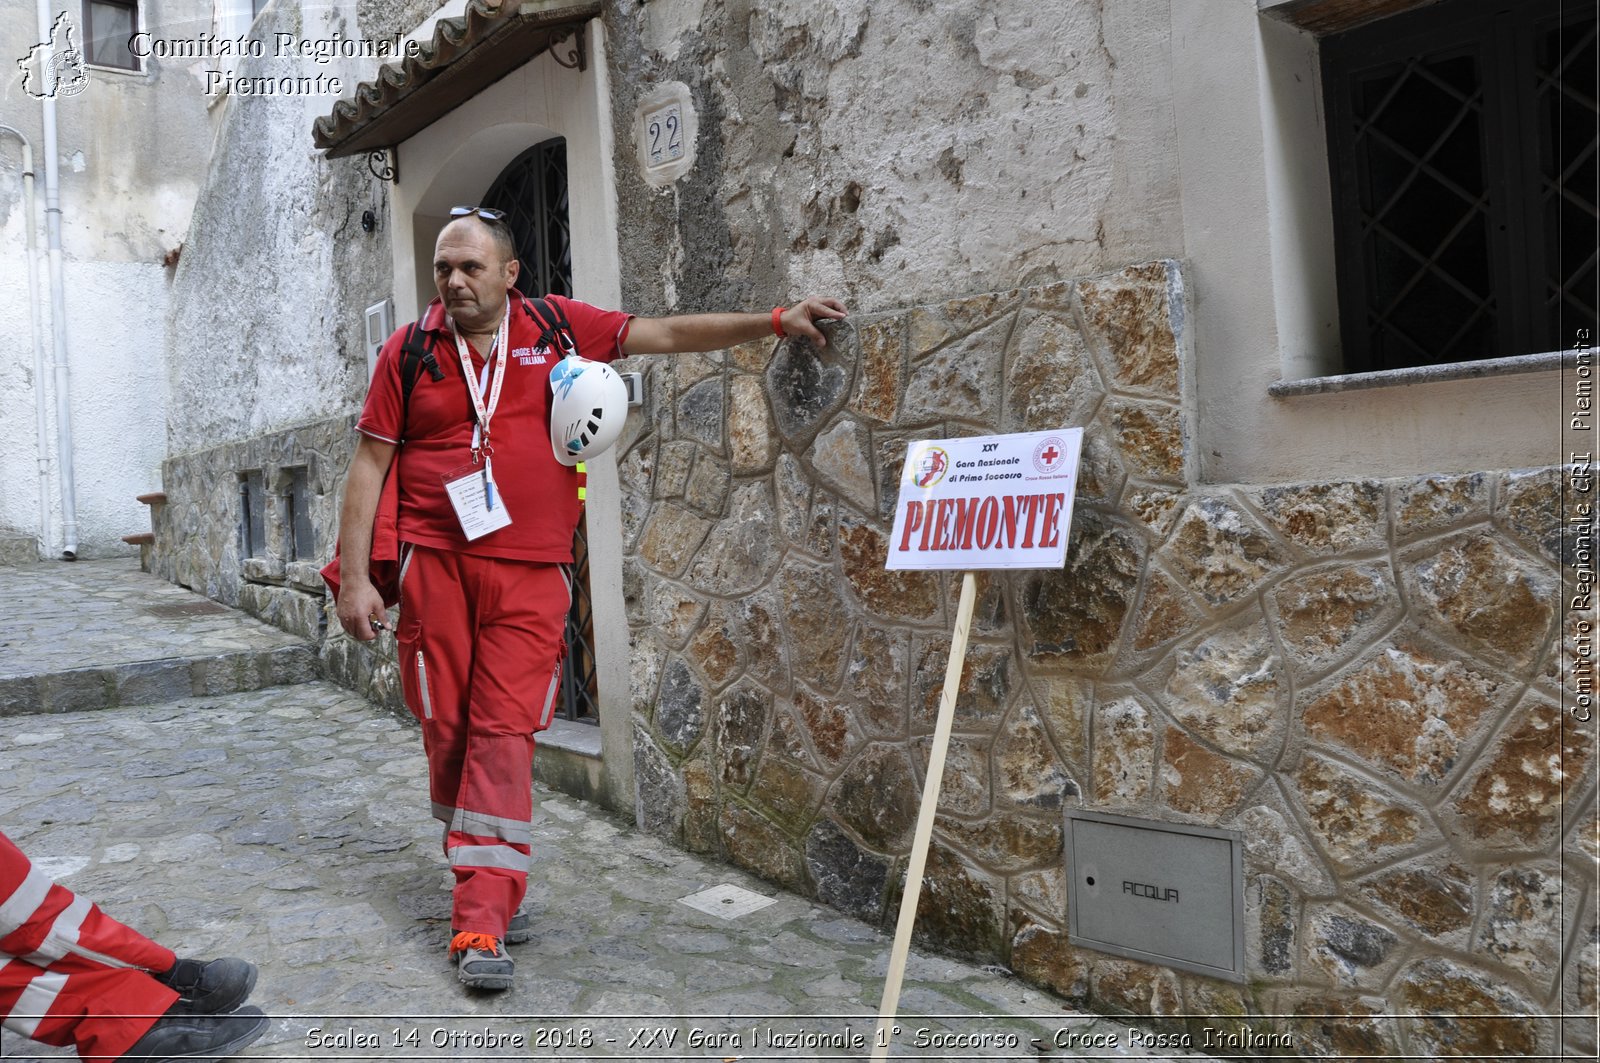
(777, 324)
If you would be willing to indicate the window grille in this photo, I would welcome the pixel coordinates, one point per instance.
(1461, 138)
(579, 693)
(532, 191)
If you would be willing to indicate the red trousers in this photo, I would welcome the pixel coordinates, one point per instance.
(480, 665)
(69, 973)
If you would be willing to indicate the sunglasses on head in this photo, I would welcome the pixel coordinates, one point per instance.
(487, 213)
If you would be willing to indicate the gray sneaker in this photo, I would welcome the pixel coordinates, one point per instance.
(481, 961)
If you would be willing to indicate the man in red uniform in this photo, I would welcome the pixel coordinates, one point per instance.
(72, 975)
(486, 516)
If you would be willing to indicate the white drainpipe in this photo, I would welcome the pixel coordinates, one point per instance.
(41, 417)
(58, 311)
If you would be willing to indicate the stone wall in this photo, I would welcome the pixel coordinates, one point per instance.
(1359, 676)
(199, 544)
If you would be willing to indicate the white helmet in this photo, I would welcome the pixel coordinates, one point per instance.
(588, 404)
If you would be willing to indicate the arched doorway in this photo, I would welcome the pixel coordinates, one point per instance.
(532, 191)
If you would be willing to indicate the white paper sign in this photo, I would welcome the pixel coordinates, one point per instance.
(986, 502)
(471, 503)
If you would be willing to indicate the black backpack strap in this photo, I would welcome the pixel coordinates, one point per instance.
(555, 331)
(416, 354)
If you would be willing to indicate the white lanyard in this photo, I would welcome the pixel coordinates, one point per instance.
(485, 412)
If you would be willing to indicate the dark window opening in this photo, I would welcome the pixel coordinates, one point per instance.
(252, 514)
(1462, 146)
(108, 24)
(297, 516)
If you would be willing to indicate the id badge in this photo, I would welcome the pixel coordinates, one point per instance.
(479, 509)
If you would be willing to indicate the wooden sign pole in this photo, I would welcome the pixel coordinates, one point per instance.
(930, 805)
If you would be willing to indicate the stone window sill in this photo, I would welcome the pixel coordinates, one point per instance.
(1428, 374)
(121, 71)
(572, 737)
(299, 575)
(262, 570)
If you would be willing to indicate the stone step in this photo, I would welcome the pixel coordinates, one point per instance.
(155, 682)
(101, 634)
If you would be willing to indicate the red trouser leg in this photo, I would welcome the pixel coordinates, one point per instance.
(69, 973)
(480, 643)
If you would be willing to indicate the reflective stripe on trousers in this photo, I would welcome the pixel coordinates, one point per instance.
(480, 638)
(69, 973)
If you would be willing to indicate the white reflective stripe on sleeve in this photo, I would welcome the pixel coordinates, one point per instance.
(484, 825)
(24, 900)
(443, 813)
(35, 1002)
(62, 936)
(501, 856)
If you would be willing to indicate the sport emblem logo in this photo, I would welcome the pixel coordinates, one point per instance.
(929, 467)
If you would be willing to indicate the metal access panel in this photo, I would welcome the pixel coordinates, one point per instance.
(380, 322)
(1165, 893)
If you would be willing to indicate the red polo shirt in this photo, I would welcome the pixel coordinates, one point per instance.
(435, 434)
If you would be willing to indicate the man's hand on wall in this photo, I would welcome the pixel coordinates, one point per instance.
(800, 319)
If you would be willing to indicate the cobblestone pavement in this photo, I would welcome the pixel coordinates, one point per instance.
(288, 825)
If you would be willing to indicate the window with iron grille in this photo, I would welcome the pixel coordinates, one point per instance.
(1462, 147)
(107, 25)
(532, 191)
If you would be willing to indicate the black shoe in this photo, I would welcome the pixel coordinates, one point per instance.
(181, 1036)
(211, 987)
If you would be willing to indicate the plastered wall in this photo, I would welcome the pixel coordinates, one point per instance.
(131, 148)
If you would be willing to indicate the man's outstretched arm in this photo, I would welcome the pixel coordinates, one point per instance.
(715, 332)
(359, 600)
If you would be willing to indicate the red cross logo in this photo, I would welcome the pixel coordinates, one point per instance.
(1048, 455)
